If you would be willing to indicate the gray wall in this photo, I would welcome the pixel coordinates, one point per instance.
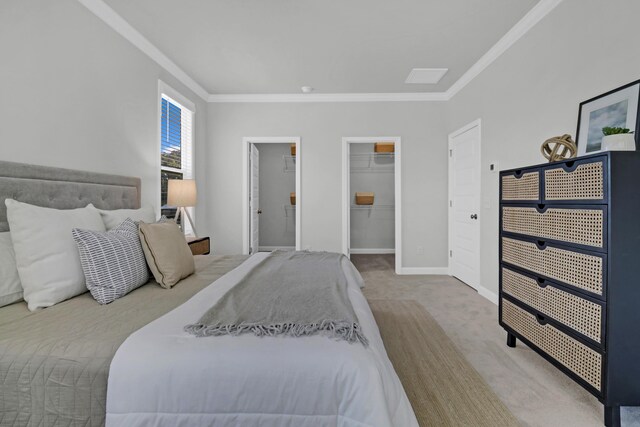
(75, 94)
(321, 127)
(277, 224)
(581, 49)
(372, 227)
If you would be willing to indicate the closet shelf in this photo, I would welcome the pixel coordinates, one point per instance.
(373, 155)
(372, 163)
(369, 207)
(289, 209)
(371, 170)
(289, 163)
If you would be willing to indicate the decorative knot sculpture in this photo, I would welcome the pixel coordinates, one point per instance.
(559, 148)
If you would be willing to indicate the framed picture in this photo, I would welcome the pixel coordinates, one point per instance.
(617, 108)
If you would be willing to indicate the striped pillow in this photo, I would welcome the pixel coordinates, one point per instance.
(113, 262)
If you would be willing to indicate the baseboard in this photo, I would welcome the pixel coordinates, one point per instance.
(425, 270)
(371, 251)
(491, 296)
(273, 248)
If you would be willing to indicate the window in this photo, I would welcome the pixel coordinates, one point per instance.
(176, 145)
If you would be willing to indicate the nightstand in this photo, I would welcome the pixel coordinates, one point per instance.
(199, 245)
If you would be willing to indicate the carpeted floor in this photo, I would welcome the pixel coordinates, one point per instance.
(534, 391)
(444, 389)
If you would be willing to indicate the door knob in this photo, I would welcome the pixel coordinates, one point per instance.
(259, 211)
(474, 216)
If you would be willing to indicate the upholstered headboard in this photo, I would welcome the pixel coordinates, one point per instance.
(64, 188)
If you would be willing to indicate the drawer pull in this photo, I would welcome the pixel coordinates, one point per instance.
(518, 174)
(541, 208)
(541, 244)
(541, 319)
(569, 166)
(542, 283)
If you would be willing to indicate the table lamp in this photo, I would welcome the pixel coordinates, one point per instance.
(182, 193)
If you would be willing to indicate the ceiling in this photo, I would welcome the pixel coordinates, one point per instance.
(335, 46)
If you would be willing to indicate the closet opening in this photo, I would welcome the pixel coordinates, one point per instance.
(271, 214)
(371, 187)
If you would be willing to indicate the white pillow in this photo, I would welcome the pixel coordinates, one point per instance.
(114, 218)
(46, 254)
(10, 287)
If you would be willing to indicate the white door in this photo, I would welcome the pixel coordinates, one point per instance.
(254, 199)
(464, 204)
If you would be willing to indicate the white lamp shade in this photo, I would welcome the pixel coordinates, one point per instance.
(181, 192)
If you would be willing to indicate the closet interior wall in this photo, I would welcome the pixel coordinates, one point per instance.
(372, 227)
(277, 181)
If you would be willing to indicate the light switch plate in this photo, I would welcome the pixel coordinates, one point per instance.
(486, 202)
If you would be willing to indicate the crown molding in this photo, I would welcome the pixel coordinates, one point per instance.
(122, 27)
(528, 21)
(330, 97)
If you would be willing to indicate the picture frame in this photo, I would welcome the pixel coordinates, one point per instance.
(619, 107)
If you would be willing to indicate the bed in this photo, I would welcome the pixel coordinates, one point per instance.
(72, 363)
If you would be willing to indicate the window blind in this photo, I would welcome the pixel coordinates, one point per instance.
(171, 135)
(176, 147)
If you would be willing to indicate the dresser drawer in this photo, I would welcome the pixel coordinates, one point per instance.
(580, 314)
(520, 185)
(584, 271)
(577, 357)
(577, 225)
(582, 180)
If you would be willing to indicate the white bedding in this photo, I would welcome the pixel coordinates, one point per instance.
(162, 376)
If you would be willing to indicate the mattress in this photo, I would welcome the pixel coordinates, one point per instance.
(54, 363)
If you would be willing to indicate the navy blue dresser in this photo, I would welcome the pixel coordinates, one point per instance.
(570, 270)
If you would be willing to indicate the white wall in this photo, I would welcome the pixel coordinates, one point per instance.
(321, 127)
(75, 94)
(581, 49)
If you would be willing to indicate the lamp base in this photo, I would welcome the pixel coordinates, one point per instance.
(185, 212)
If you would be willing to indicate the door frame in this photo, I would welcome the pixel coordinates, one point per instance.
(476, 123)
(246, 142)
(346, 196)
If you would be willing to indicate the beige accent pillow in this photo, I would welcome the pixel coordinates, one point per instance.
(167, 252)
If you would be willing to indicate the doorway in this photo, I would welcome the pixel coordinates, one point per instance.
(271, 194)
(371, 197)
(464, 204)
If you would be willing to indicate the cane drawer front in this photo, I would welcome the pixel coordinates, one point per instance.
(579, 314)
(580, 359)
(581, 270)
(582, 180)
(521, 186)
(580, 226)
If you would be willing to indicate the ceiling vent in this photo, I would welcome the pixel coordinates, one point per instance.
(426, 75)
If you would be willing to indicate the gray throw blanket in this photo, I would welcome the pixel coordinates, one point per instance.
(288, 293)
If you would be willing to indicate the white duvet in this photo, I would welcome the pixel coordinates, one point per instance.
(162, 376)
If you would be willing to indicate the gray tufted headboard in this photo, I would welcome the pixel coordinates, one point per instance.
(64, 188)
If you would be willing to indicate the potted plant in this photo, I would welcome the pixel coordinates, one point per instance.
(618, 139)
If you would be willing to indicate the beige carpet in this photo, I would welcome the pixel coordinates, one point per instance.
(442, 386)
(535, 392)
